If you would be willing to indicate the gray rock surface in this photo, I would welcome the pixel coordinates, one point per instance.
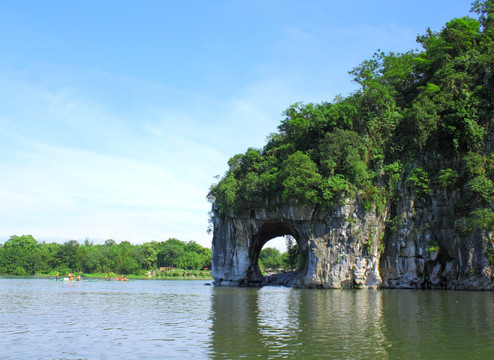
(413, 245)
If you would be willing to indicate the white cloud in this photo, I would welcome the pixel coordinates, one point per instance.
(72, 169)
(76, 192)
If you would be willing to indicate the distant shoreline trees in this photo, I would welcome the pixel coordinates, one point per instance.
(24, 255)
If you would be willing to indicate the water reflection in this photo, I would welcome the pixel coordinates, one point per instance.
(40, 319)
(439, 324)
(351, 324)
(289, 323)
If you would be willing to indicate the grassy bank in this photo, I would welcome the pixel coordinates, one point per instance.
(169, 274)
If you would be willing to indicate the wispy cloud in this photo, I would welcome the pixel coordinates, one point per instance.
(73, 169)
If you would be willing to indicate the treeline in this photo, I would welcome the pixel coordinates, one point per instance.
(420, 123)
(23, 255)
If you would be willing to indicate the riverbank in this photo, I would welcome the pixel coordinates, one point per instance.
(169, 274)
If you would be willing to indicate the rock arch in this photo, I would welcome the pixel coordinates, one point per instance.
(412, 243)
(267, 231)
(334, 245)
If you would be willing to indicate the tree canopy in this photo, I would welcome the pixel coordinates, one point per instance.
(23, 255)
(421, 119)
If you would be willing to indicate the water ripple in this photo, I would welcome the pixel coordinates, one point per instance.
(42, 319)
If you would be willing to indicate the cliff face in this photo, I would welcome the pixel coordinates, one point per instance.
(424, 250)
(337, 248)
(412, 244)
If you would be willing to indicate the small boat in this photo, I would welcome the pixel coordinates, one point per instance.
(73, 279)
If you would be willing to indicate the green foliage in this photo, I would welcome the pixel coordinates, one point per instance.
(225, 192)
(18, 255)
(428, 110)
(482, 186)
(485, 9)
(447, 177)
(392, 173)
(270, 258)
(23, 255)
(372, 196)
(433, 247)
(173, 274)
(419, 180)
(482, 219)
(396, 223)
(334, 187)
(475, 164)
(342, 151)
(490, 256)
(301, 179)
(368, 244)
(291, 257)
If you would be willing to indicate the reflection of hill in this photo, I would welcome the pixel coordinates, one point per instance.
(438, 324)
(280, 322)
(234, 323)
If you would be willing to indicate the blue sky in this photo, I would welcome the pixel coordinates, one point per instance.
(115, 116)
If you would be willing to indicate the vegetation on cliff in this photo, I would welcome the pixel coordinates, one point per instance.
(23, 255)
(421, 123)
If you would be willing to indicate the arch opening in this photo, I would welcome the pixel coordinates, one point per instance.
(274, 255)
(291, 258)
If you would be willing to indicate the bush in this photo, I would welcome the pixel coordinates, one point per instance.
(447, 177)
(419, 180)
(482, 186)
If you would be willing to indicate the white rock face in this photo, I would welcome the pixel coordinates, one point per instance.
(338, 249)
(411, 245)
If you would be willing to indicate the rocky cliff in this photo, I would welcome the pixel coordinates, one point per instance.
(411, 244)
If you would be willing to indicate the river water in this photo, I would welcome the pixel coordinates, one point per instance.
(147, 319)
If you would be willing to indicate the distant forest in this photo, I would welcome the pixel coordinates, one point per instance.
(23, 255)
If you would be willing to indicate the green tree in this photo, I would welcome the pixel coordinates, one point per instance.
(270, 258)
(68, 255)
(485, 10)
(17, 255)
(171, 253)
(125, 262)
(301, 179)
(146, 256)
(419, 180)
(291, 257)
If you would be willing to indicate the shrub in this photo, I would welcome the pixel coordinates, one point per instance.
(419, 180)
(447, 177)
(482, 186)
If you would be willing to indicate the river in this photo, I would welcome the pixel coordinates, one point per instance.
(151, 319)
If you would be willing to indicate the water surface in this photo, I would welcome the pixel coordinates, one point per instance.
(44, 319)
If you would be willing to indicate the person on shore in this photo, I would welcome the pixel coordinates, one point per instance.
(57, 277)
(71, 278)
(106, 277)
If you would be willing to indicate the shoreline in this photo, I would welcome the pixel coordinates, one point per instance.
(111, 277)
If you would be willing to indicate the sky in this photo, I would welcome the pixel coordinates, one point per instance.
(117, 116)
